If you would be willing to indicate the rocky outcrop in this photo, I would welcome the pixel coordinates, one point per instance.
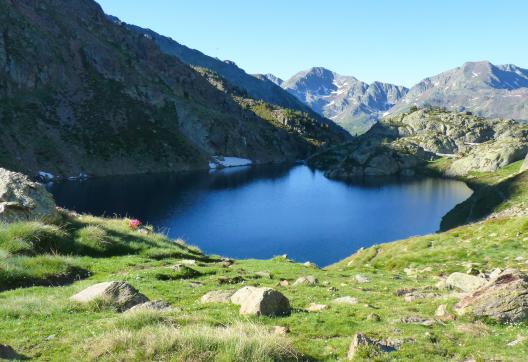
(119, 294)
(504, 299)
(403, 144)
(464, 282)
(265, 302)
(23, 199)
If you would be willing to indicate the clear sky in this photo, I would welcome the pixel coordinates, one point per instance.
(398, 41)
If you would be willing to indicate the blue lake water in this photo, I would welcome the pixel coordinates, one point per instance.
(260, 212)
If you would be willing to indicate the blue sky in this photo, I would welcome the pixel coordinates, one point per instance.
(398, 41)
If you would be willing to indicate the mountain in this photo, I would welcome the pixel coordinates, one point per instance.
(496, 91)
(80, 93)
(257, 87)
(272, 78)
(351, 103)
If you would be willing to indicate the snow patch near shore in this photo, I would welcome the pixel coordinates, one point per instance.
(221, 162)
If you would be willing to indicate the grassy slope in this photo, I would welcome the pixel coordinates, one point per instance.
(29, 316)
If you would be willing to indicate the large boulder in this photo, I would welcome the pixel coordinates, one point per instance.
(504, 299)
(489, 157)
(23, 199)
(242, 294)
(265, 302)
(465, 282)
(119, 294)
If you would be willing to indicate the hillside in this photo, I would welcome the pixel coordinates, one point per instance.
(351, 103)
(80, 93)
(396, 297)
(488, 90)
(257, 87)
(404, 144)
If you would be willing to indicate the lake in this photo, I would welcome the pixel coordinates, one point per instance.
(260, 212)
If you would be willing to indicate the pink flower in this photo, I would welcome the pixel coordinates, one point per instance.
(134, 224)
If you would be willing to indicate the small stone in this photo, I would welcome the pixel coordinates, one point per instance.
(217, 296)
(309, 264)
(158, 305)
(443, 314)
(418, 320)
(314, 307)
(120, 294)
(280, 330)
(361, 278)
(519, 340)
(495, 273)
(263, 274)
(284, 283)
(346, 300)
(188, 262)
(373, 317)
(234, 280)
(519, 258)
(465, 282)
(196, 284)
(332, 289)
(308, 280)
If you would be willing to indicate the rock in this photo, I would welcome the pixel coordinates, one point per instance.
(242, 294)
(504, 299)
(314, 307)
(345, 300)
(361, 278)
(443, 314)
(262, 274)
(265, 302)
(418, 320)
(8, 353)
(280, 330)
(362, 340)
(157, 305)
(23, 199)
(217, 296)
(465, 282)
(120, 294)
(226, 280)
(226, 263)
(284, 283)
(308, 280)
(495, 273)
(373, 317)
(519, 340)
(188, 262)
(524, 165)
(309, 264)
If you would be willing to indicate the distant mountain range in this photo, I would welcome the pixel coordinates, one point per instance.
(351, 103)
(494, 91)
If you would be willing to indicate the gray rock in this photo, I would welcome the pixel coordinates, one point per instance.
(418, 320)
(307, 280)
(8, 353)
(465, 282)
(120, 294)
(265, 302)
(504, 299)
(280, 330)
(362, 340)
(361, 278)
(263, 274)
(156, 305)
(242, 294)
(23, 199)
(346, 300)
(314, 307)
(217, 296)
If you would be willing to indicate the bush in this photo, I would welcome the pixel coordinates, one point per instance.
(32, 238)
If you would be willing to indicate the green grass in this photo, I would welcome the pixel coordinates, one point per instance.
(40, 322)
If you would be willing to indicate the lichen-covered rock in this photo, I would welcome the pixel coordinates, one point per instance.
(23, 199)
(465, 282)
(307, 280)
(504, 299)
(265, 302)
(120, 294)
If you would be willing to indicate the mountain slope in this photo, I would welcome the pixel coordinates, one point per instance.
(256, 87)
(497, 91)
(351, 103)
(79, 93)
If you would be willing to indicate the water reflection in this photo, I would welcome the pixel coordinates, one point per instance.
(264, 211)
